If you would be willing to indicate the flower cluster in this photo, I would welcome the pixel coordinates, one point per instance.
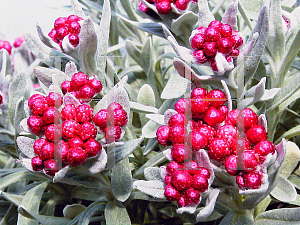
(216, 130)
(111, 120)
(82, 87)
(1, 99)
(184, 181)
(217, 37)
(66, 26)
(18, 41)
(74, 140)
(165, 6)
(249, 153)
(5, 45)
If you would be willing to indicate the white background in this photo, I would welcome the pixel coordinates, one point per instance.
(19, 16)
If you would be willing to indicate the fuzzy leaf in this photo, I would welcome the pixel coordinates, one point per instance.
(262, 28)
(157, 118)
(86, 216)
(116, 214)
(16, 91)
(19, 115)
(70, 69)
(13, 198)
(149, 130)
(60, 174)
(204, 14)
(276, 37)
(45, 75)
(103, 37)
(209, 205)
(230, 15)
(175, 87)
(186, 71)
(152, 173)
(272, 171)
(31, 202)
(117, 94)
(118, 153)
(45, 38)
(188, 209)
(121, 180)
(146, 55)
(87, 47)
(154, 161)
(45, 54)
(140, 108)
(286, 216)
(49, 220)
(154, 188)
(236, 218)
(185, 21)
(146, 98)
(133, 51)
(96, 164)
(284, 190)
(71, 211)
(25, 145)
(291, 159)
(152, 28)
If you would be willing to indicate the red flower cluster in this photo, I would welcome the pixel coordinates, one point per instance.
(217, 37)
(64, 26)
(82, 87)
(111, 120)
(242, 157)
(18, 41)
(5, 45)
(74, 140)
(164, 6)
(249, 153)
(185, 181)
(1, 99)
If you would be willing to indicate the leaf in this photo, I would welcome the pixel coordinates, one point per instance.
(45, 38)
(19, 115)
(87, 47)
(15, 177)
(45, 75)
(146, 55)
(276, 37)
(154, 161)
(70, 70)
(96, 164)
(71, 211)
(13, 198)
(272, 172)
(49, 220)
(116, 214)
(31, 202)
(146, 98)
(152, 28)
(25, 145)
(118, 153)
(186, 71)
(154, 188)
(230, 15)
(85, 217)
(76, 7)
(16, 91)
(140, 108)
(209, 205)
(133, 51)
(103, 37)
(152, 173)
(45, 54)
(204, 14)
(117, 94)
(121, 180)
(291, 159)
(262, 28)
(286, 216)
(186, 21)
(284, 190)
(236, 218)
(175, 87)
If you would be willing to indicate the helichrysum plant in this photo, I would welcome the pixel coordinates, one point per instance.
(153, 112)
